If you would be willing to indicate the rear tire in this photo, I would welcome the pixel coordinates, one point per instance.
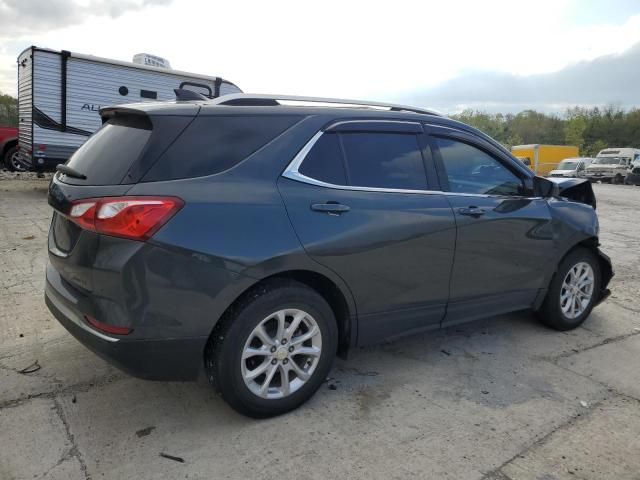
(572, 292)
(256, 336)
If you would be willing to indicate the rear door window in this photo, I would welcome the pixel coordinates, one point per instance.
(384, 160)
(213, 144)
(108, 154)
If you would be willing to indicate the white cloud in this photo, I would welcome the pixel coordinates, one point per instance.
(604, 80)
(359, 49)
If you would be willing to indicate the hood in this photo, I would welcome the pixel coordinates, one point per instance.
(562, 172)
(576, 189)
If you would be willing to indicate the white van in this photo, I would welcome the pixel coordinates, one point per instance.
(612, 164)
(571, 167)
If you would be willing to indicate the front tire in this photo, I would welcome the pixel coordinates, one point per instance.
(273, 350)
(573, 291)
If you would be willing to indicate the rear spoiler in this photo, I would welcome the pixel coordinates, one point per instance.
(150, 108)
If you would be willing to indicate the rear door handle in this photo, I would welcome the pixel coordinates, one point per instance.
(472, 211)
(332, 208)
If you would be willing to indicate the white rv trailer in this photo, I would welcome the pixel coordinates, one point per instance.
(60, 94)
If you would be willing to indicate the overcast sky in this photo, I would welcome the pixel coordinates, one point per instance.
(492, 55)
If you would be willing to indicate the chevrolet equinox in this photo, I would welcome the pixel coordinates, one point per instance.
(255, 237)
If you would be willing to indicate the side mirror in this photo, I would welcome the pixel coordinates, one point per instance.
(545, 188)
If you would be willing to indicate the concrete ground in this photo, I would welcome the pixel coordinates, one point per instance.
(504, 398)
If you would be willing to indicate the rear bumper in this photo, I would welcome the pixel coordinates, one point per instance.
(152, 359)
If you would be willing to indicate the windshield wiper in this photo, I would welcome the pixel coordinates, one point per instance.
(72, 172)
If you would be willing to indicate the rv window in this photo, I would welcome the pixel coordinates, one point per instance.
(149, 94)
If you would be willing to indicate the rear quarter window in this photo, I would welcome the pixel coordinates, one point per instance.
(213, 144)
(324, 162)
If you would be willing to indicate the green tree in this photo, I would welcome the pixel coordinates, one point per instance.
(592, 150)
(8, 111)
(512, 140)
(574, 131)
(591, 129)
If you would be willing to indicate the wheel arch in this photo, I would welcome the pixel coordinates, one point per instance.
(7, 145)
(606, 268)
(591, 243)
(337, 296)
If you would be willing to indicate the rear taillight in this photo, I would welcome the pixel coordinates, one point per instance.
(136, 218)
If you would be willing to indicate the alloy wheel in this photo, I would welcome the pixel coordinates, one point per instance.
(281, 353)
(576, 290)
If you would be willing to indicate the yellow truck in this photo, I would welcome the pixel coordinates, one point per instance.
(543, 158)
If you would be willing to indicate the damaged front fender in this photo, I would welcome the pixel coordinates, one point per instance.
(576, 225)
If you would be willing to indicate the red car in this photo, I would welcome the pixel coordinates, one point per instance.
(9, 148)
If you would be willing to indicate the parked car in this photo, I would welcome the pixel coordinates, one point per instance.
(255, 237)
(612, 165)
(633, 176)
(571, 167)
(9, 148)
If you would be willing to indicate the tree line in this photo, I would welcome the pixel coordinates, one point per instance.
(8, 111)
(590, 129)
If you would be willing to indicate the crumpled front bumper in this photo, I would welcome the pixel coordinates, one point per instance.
(607, 273)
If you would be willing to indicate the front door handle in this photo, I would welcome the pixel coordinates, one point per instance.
(472, 211)
(332, 208)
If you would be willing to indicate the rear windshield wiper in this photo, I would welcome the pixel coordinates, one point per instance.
(72, 172)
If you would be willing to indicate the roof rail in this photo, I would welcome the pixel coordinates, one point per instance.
(255, 100)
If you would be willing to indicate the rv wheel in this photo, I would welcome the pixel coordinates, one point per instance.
(11, 161)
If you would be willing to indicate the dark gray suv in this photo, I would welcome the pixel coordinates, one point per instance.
(254, 238)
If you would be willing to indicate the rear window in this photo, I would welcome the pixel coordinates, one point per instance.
(213, 144)
(108, 154)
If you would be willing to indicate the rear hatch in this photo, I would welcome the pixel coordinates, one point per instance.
(96, 214)
(107, 165)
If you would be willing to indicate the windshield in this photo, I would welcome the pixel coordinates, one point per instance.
(610, 161)
(567, 165)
